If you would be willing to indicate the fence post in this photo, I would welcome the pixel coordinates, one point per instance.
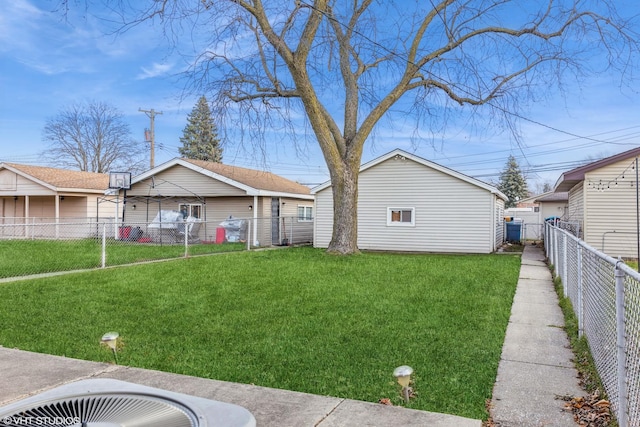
(248, 234)
(186, 239)
(565, 279)
(291, 228)
(579, 278)
(555, 250)
(545, 237)
(104, 245)
(551, 243)
(621, 346)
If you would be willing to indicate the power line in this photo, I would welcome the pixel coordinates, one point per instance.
(466, 90)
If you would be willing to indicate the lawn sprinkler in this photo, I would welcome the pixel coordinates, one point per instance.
(111, 340)
(403, 374)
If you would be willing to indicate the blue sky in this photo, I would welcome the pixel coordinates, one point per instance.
(48, 63)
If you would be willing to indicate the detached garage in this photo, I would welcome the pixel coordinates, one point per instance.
(407, 203)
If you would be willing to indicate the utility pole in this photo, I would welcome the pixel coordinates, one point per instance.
(152, 138)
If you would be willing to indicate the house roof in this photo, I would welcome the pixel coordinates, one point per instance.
(562, 196)
(427, 163)
(569, 179)
(61, 179)
(254, 182)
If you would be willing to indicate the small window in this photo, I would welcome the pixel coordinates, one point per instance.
(401, 216)
(188, 210)
(305, 213)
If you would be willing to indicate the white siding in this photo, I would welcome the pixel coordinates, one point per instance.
(323, 224)
(408, 184)
(178, 185)
(297, 231)
(499, 223)
(549, 209)
(610, 209)
(24, 186)
(576, 205)
(180, 181)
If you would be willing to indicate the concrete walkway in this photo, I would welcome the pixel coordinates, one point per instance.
(24, 373)
(536, 363)
(534, 368)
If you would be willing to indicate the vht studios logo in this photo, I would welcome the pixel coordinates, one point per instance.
(40, 421)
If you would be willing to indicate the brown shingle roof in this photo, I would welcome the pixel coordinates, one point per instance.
(260, 180)
(63, 178)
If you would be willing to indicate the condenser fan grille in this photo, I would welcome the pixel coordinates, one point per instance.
(105, 402)
(103, 410)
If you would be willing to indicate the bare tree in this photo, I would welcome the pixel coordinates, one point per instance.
(348, 64)
(92, 137)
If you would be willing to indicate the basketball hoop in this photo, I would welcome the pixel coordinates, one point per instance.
(120, 180)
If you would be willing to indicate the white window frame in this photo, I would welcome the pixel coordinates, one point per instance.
(308, 213)
(400, 223)
(190, 209)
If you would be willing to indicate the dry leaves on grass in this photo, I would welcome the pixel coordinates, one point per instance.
(387, 401)
(489, 422)
(590, 410)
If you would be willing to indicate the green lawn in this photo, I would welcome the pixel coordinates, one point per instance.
(25, 257)
(297, 319)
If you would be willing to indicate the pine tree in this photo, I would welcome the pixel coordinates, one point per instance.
(200, 136)
(512, 183)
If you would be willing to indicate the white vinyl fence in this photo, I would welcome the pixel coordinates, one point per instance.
(605, 294)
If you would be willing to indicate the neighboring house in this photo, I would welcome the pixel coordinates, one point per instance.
(36, 194)
(280, 211)
(553, 205)
(528, 202)
(603, 200)
(407, 203)
(532, 211)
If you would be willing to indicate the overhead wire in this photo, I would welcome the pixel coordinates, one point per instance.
(467, 90)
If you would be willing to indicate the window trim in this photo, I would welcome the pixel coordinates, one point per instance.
(306, 217)
(190, 209)
(391, 223)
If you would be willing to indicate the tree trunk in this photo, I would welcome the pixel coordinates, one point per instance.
(344, 182)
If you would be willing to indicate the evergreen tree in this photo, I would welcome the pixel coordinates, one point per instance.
(512, 183)
(200, 136)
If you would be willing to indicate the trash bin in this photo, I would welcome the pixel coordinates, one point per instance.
(514, 231)
(220, 235)
(124, 232)
(135, 234)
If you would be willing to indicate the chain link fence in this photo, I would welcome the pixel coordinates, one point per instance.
(33, 246)
(605, 294)
(532, 231)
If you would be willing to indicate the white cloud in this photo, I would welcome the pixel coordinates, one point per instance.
(18, 19)
(154, 71)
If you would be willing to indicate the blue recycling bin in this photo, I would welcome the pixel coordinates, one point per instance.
(514, 230)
